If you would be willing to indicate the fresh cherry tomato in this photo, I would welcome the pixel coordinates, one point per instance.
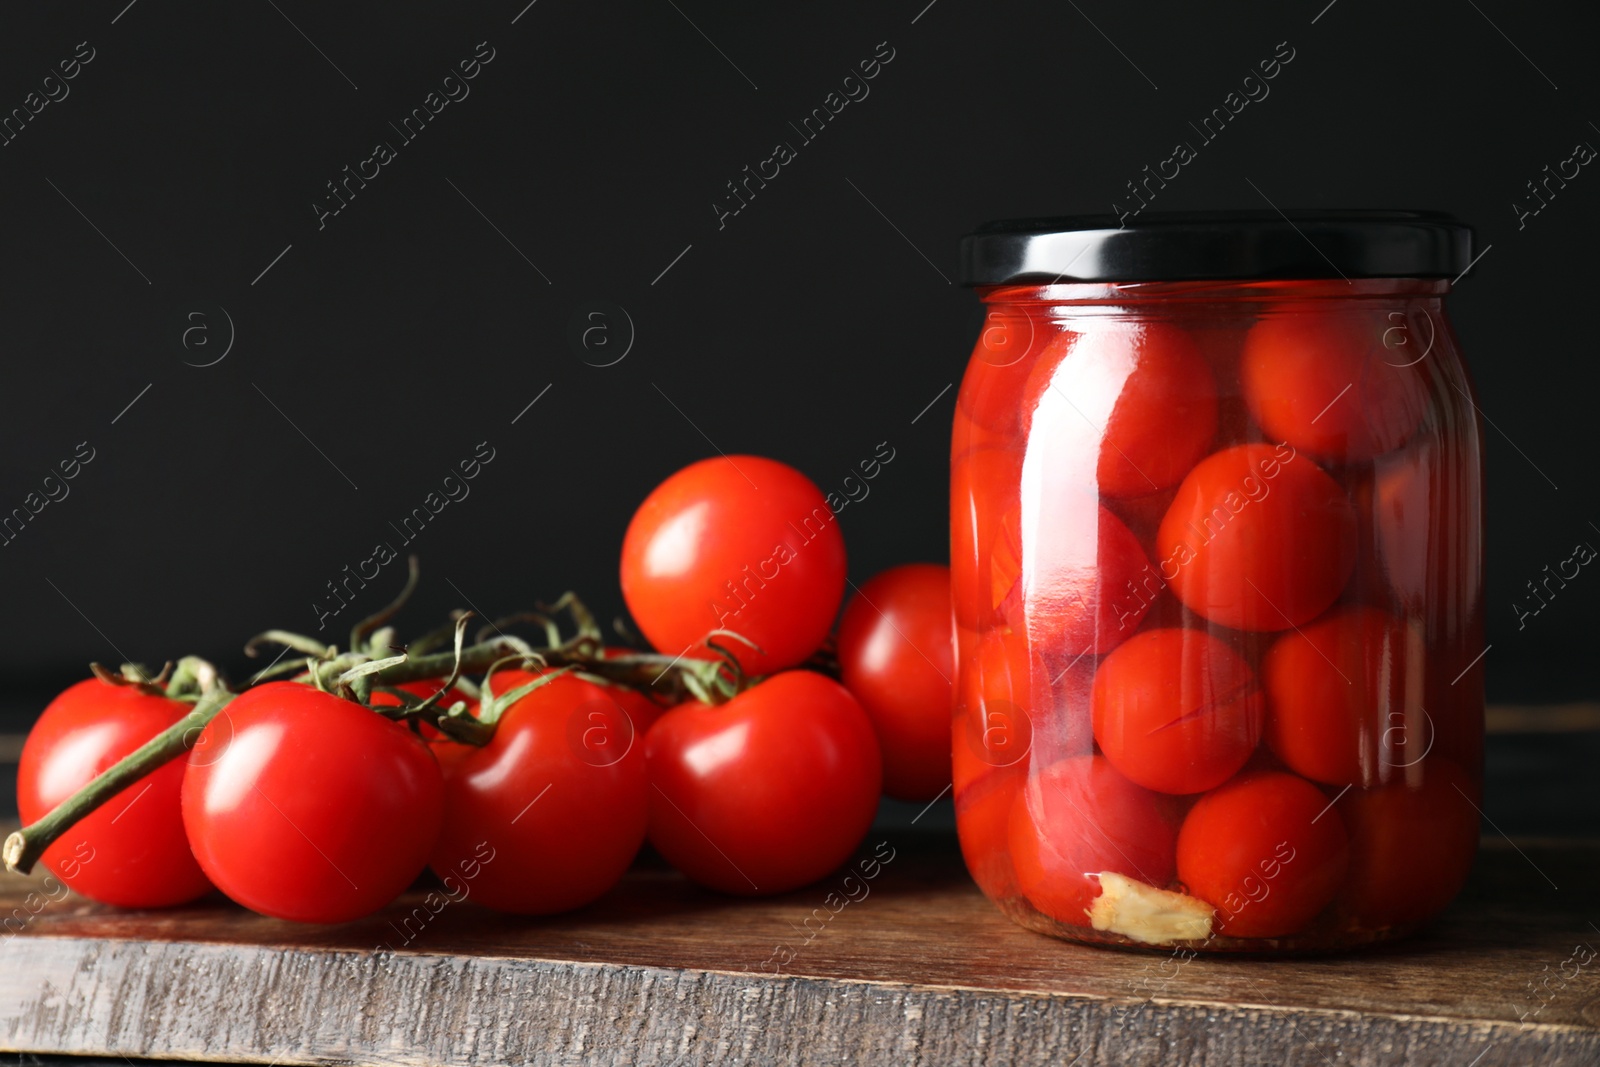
(1267, 850)
(1411, 845)
(1344, 696)
(765, 793)
(983, 488)
(897, 656)
(305, 806)
(131, 851)
(1176, 710)
(1121, 409)
(1080, 818)
(559, 799)
(1081, 559)
(1325, 382)
(1258, 538)
(735, 543)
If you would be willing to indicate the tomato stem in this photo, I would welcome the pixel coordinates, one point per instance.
(359, 632)
(357, 672)
(23, 848)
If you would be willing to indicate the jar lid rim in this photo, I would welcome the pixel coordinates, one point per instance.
(1215, 245)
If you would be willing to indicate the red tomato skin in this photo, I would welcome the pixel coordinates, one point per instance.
(1176, 710)
(738, 543)
(1326, 383)
(304, 806)
(1344, 694)
(1267, 850)
(983, 817)
(1122, 410)
(1258, 538)
(996, 693)
(897, 655)
(765, 793)
(1077, 819)
(991, 398)
(983, 490)
(1412, 844)
(559, 798)
(131, 852)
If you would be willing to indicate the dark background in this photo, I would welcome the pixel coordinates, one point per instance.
(379, 350)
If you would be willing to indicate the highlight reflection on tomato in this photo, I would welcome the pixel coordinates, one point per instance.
(560, 797)
(323, 832)
(739, 543)
(131, 852)
(767, 792)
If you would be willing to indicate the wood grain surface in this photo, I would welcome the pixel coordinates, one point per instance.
(919, 969)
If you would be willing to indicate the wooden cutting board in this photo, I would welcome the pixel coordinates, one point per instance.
(917, 968)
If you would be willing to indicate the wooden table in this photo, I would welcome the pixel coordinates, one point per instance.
(920, 970)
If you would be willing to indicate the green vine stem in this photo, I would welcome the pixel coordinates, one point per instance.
(23, 848)
(356, 673)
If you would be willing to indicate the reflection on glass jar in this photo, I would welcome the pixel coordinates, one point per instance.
(1216, 551)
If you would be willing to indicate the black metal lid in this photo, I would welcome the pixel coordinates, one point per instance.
(1171, 246)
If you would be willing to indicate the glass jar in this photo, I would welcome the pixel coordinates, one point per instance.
(1216, 554)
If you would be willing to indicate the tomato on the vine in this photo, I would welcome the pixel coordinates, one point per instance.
(738, 543)
(767, 792)
(897, 656)
(131, 851)
(305, 806)
(444, 749)
(558, 800)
